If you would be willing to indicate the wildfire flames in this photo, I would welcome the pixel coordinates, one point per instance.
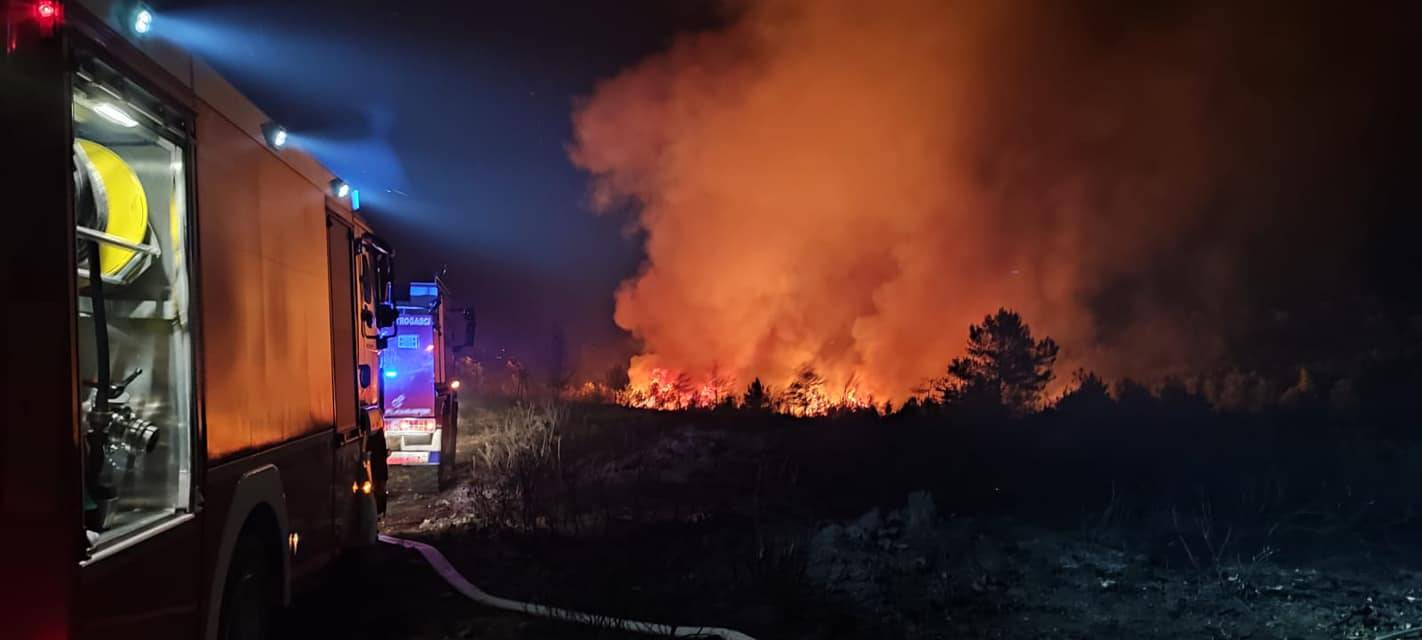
(849, 185)
(670, 390)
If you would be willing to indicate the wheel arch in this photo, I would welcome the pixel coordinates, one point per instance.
(258, 504)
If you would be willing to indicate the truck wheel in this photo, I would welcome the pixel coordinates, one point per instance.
(379, 468)
(249, 598)
(367, 521)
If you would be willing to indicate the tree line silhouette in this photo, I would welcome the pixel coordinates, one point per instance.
(1006, 371)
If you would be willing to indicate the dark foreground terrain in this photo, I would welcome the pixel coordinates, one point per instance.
(853, 528)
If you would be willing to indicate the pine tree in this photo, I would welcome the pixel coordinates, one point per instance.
(1005, 365)
(757, 397)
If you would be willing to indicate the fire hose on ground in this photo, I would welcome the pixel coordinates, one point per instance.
(441, 565)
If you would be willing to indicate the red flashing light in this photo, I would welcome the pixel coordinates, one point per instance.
(47, 10)
(26, 21)
(48, 14)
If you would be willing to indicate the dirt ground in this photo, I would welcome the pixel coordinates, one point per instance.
(697, 521)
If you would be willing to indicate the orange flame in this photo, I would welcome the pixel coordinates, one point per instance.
(665, 389)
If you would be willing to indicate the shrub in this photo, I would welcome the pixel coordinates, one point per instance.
(516, 457)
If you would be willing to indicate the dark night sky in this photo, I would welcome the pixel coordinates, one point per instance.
(453, 118)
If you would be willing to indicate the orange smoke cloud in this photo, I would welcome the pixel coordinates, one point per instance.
(852, 184)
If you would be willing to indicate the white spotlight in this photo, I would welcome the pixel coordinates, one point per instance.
(275, 135)
(339, 188)
(142, 20)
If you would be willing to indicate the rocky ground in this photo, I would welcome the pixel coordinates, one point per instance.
(680, 522)
(971, 578)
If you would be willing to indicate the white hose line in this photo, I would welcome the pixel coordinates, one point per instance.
(447, 571)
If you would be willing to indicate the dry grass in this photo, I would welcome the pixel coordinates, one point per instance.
(517, 454)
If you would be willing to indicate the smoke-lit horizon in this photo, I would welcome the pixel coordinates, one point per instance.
(820, 183)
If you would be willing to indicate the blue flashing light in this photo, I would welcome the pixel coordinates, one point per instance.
(391, 373)
(142, 20)
(355, 199)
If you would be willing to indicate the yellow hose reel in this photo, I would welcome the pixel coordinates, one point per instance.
(112, 202)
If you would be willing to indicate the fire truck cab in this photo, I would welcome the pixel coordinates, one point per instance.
(192, 330)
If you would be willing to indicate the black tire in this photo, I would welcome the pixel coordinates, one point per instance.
(449, 443)
(379, 468)
(250, 597)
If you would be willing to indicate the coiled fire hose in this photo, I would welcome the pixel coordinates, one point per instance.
(441, 565)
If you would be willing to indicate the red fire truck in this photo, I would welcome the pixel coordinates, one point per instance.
(192, 327)
(421, 401)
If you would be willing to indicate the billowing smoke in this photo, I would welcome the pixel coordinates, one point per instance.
(851, 184)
